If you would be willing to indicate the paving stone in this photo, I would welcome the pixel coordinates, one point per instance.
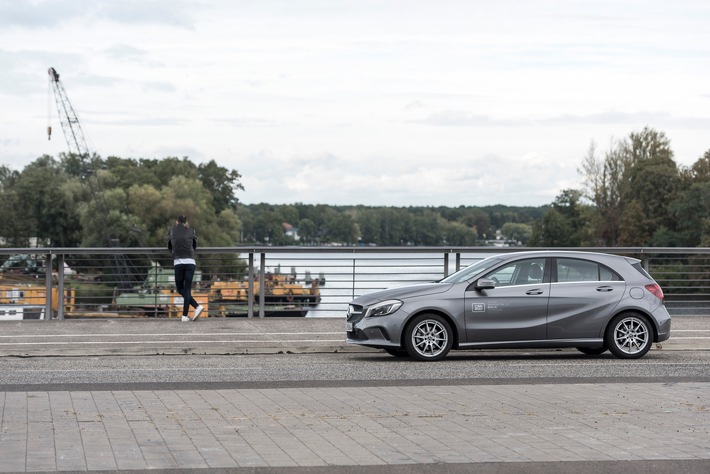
(355, 426)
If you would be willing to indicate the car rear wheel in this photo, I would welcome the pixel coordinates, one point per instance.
(428, 337)
(629, 336)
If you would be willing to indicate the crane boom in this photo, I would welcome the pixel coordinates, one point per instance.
(71, 126)
(74, 136)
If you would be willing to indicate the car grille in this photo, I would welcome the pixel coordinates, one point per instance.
(355, 313)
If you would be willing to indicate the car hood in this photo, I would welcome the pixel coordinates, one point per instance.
(403, 292)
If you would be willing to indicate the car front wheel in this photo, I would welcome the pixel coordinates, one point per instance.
(629, 336)
(428, 337)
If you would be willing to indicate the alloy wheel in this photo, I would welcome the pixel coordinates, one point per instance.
(630, 336)
(430, 338)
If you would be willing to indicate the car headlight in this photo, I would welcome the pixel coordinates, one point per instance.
(384, 308)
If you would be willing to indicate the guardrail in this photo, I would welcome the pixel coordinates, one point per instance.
(280, 281)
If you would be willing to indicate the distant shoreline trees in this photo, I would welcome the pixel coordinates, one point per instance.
(634, 195)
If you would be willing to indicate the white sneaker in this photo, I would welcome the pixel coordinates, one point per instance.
(185, 319)
(198, 312)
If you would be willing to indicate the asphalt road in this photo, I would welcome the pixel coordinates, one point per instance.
(344, 369)
(225, 336)
(210, 353)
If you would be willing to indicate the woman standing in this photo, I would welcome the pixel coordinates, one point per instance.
(182, 242)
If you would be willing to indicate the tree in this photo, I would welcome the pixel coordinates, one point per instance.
(517, 232)
(477, 219)
(700, 171)
(603, 183)
(456, 233)
(429, 228)
(634, 229)
(221, 183)
(690, 211)
(368, 221)
(308, 231)
(640, 172)
(342, 228)
(553, 230)
(41, 204)
(651, 181)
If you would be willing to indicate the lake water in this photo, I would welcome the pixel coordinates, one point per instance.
(348, 275)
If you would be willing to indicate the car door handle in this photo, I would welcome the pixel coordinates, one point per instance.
(605, 288)
(534, 292)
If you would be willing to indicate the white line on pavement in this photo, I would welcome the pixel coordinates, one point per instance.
(16, 336)
(228, 341)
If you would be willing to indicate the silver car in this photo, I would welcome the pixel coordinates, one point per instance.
(543, 299)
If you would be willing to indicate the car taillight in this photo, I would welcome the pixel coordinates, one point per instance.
(656, 290)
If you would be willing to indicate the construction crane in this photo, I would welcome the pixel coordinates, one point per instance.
(76, 141)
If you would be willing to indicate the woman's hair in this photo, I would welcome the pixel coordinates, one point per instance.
(182, 218)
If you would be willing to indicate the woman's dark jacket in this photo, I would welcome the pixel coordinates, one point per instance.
(182, 241)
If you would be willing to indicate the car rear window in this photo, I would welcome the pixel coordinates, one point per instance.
(574, 269)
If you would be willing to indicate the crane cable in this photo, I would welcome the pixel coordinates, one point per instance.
(49, 107)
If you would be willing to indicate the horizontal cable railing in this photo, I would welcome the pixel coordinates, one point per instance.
(273, 281)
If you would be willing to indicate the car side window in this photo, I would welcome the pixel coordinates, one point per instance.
(573, 269)
(521, 272)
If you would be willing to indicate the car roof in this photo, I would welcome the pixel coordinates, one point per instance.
(612, 260)
(564, 253)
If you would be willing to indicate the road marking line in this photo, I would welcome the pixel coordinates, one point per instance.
(175, 334)
(230, 341)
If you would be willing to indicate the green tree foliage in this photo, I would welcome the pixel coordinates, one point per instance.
(564, 225)
(632, 189)
(221, 183)
(383, 226)
(634, 194)
(41, 207)
(651, 181)
(603, 183)
(517, 232)
(97, 203)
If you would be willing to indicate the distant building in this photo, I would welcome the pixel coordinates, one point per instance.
(291, 231)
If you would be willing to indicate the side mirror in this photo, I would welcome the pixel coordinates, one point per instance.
(485, 284)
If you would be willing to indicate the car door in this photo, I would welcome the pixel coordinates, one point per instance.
(582, 295)
(516, 309)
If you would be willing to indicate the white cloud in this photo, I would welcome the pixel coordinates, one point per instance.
(401, 102)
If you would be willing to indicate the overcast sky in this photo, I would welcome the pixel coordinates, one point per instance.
(377, 102)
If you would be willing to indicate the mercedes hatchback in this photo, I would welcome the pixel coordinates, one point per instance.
(544, 299)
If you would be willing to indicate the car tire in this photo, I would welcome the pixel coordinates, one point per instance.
(397, 352)
(428, 337)
(592, 351)
(629, 336)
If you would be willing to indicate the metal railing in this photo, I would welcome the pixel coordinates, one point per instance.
(279, 281)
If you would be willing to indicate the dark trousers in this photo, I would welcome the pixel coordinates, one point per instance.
(183, 282)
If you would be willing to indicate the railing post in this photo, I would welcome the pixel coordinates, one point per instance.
(446, 264)
(60, 286)
(458, 261)
(48, 286)
(250, 291)
(262, 286)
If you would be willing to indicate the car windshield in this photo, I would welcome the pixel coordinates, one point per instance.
(467, 273)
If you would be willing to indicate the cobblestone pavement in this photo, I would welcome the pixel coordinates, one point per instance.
(368, 426)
